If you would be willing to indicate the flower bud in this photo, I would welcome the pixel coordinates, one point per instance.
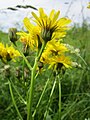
(12, 35)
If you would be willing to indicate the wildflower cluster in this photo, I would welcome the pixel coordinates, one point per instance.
(48, 30)
(8, 53)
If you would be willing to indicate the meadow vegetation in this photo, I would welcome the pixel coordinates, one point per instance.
(75, 84)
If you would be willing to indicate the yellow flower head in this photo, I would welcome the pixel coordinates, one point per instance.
(8, 53)
(54, 55)
(51, 27)
(54, 61)
(3, 51)
(31, 37)
(54, 47)
(12, 53)
(64, 60)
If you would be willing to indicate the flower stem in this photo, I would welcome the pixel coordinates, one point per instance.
(14, 101)
(59, 80)
(45, 114)
(29, 115)
(31, 89)
(20, 97)
(40, 98)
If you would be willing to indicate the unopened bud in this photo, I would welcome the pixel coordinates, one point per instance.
(12, 34)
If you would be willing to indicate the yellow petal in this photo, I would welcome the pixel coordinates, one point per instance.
(41, 12)
(27, 24)
(64, 21)
(37, 19)
(51, 14)
(56, 16)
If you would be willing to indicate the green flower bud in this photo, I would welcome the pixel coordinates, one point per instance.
(12, 35)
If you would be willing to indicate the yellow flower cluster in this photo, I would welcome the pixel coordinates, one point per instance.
(48, 29)
(8, 53)
(45, 29)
